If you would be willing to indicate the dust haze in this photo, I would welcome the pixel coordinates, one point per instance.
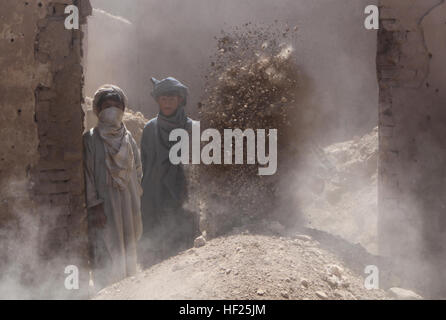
(322, 208)
(178, 38)
(338, 93)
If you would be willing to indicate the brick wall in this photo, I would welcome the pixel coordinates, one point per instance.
(43, 227)
(412, 127)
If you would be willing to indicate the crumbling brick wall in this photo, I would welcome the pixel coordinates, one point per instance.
(43, 218)
(412, 126)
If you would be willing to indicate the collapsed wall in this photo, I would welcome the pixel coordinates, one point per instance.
(43, 217)
(412, 126)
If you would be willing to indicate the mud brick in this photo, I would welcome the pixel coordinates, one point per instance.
(60, 199)
(46, 95)
(57, 10)
(51, 165)
(78, 203)
(386, 131)
(72, 156)
(52, 188)
(54, 176)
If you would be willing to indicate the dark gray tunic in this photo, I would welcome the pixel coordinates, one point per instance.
(164, 192)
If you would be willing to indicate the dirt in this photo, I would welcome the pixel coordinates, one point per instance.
(265, 260)
(247, 266)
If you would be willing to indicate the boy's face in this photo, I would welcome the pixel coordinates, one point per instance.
(169, 104)
(110, 103)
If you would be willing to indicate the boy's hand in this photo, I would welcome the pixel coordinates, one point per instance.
(98, 217)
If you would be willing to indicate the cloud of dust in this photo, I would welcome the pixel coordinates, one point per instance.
(131, 41)
(26, 272)
(339, 91)
(19, 248)
(176, 38)
(334, 51)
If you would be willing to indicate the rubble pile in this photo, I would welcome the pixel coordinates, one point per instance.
(251, 84)
(250, 267)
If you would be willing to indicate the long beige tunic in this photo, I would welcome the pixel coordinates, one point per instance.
(113, 249)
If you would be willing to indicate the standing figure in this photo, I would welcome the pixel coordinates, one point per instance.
(112, 167)
(168, 227)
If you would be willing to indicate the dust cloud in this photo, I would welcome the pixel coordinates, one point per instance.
(27, 271)
(335, 54)
(333, 182)
(177, 38)
(338, 92)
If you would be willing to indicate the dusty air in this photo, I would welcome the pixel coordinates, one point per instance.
(221, 151)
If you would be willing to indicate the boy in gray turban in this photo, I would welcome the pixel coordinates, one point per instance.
(168, 228)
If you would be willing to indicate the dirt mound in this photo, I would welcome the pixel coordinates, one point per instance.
(245, 266)
(134, 121)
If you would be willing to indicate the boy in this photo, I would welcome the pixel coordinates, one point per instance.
(112, 168)
(168, 227)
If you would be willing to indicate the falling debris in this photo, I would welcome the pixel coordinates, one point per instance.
(252, 83)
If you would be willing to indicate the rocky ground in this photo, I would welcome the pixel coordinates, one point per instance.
(247, 266)
(324, 257)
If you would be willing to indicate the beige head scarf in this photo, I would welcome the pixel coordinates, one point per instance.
(119, 158)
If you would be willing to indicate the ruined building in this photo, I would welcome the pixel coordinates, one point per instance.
(412, 126)
(42, 209)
